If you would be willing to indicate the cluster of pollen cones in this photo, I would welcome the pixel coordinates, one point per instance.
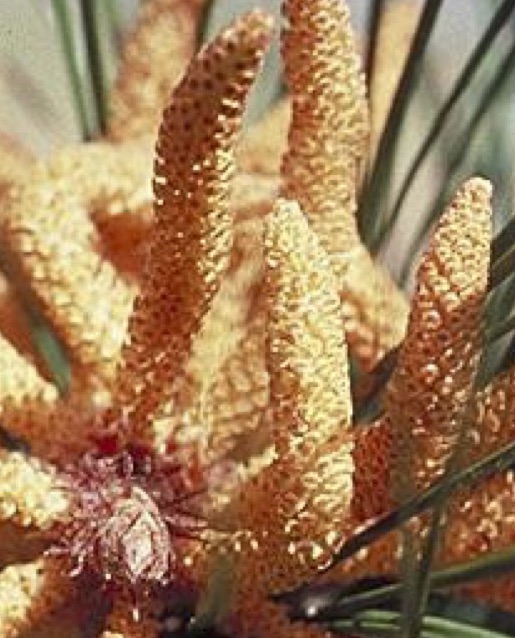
(208, 323)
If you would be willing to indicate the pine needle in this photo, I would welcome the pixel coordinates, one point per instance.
(90, 22)
(504, 240)
(374, 22)
(463, 82)
(499, 330)
(63, 19)
(456, 161)
(495, 463)
(422, 586)
(379, 624)
(370, 218)
(493, 564)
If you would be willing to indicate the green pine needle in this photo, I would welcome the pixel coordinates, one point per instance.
(63, 19)
(502, 269)
(499, 330)
(52, 352)
(375, 191)
(378, 624)
(493, 564)
(91, 16)
(374, 23)
(422, 577)
(495, 355)
(494, 463)
(504, 241)
(503, 265)
(461, 146)
(461, 85)
(509, 356)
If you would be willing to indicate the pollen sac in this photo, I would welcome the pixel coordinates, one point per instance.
(134, 543)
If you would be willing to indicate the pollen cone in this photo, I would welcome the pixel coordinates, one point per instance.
(433, 381)
(327, 143)
(46, 228)
(191, 238)
(294, 508)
